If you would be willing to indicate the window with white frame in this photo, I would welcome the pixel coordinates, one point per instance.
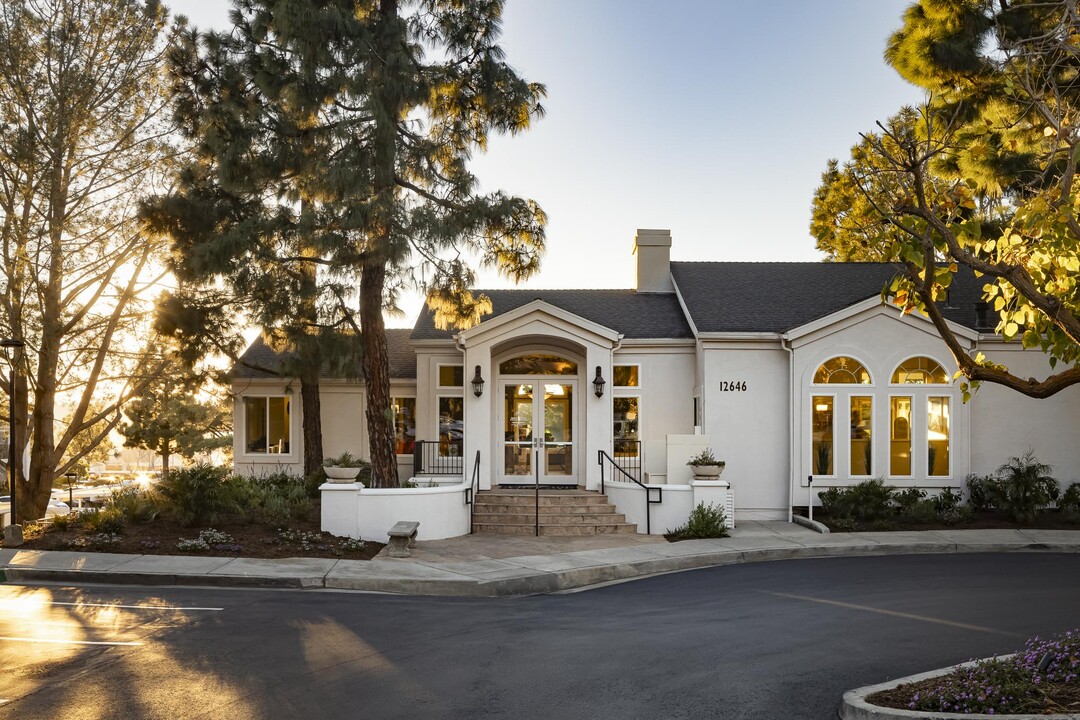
(922, 406)
(626, 376)
(626, 410)
(847, 379)
(266, 425)
(451, 376)
(451, 425)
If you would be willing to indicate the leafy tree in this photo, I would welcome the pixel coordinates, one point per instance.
(332, 145)
(80, 107)
(177, 414)
(982, 175)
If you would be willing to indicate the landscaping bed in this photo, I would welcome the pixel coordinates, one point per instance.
(204, 511)
(981, 520)
(1042, 679)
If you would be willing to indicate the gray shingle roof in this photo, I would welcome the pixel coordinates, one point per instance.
(635, 315)
(776, 297)
(402, 358)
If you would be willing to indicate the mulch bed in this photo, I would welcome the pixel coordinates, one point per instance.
(160, 537)
(1060, 697)
(1047, 520)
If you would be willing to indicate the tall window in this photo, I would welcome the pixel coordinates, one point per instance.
(451, 426)
(627, 410)
(861, 444)
(937, 436)
(266, 425)
(822, 434)
(900, 436)
(404, 424)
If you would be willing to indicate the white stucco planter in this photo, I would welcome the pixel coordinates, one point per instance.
(678, 501)
(707, 472)
(368, 513)
(341, 474)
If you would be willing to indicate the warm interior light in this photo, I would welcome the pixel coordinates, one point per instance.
(935, 435)
(554, 390)
(821, 408)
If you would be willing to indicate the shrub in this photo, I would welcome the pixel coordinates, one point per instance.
(1069, 503)
(981, 491)
(277, 503)
(135, 504)
(908, 499)
(705, 521)
(201, 494)
(1025, 486)
(869, 500)
(108, 520)
(313, 481)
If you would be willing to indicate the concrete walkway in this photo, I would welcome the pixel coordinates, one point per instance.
(504, 565)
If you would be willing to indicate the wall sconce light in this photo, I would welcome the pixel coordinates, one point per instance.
(477, 383)
(598, 383)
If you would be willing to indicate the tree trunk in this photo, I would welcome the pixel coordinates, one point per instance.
(376, 364)
(165, 450)
(312, 410)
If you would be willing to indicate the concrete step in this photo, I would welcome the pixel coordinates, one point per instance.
(553, 530)
(590, 509)
(609, 518)
(529, 500)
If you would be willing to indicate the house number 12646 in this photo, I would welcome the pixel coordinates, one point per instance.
(732, 386)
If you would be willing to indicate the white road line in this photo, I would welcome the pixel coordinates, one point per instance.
(895, 613)
(134, 607)
(61, 641)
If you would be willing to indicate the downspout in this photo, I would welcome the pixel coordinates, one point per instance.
(785, 343)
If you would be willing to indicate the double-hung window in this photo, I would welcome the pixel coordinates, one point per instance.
(266, 425)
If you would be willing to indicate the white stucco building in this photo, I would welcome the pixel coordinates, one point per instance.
(787, 370)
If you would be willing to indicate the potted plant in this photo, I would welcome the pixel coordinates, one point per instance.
(342, 469)
(704, 465)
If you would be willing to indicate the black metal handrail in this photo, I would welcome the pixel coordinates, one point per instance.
(437, 457)
(470, 492)
(601, 455)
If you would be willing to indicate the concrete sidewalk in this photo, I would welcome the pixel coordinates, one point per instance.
(503, 565)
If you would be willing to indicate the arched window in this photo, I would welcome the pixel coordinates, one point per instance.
(842, 370)
(920, 371)
(538, 364)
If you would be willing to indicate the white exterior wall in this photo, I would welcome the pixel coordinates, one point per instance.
(344, 424)
(1006, 424)
(748, 428)
(666, 376)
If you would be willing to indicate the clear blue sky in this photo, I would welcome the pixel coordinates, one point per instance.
(713, 118)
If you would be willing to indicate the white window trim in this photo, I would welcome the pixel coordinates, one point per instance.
(810, 434)
(266, 425)
(948, 380)
(865, 365)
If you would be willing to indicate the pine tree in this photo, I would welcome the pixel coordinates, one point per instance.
(330, 171)
(981, 175)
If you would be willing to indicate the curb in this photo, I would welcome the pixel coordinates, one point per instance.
(812, 524)
(854, 705)
(535, 583)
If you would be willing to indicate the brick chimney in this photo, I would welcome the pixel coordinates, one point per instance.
(653, 250)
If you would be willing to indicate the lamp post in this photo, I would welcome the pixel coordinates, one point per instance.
(11, 347)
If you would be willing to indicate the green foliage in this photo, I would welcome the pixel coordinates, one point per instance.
(136, 504)
(1024, 487)
(176, 413)
(344, 460)
(1069, 503)
(868, 501)
(313, 481)
(981, 492)
(106, 520)
(201, 494)
(705, 521)
(981, 176)
(277, 500)
(706, 458)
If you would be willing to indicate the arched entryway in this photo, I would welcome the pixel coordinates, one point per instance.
(537, 419)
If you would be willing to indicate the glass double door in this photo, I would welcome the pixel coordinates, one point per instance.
(538, 432)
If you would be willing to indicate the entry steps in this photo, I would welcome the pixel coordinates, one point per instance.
(562, 512)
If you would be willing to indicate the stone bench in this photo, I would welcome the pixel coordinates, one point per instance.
(402, 537)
